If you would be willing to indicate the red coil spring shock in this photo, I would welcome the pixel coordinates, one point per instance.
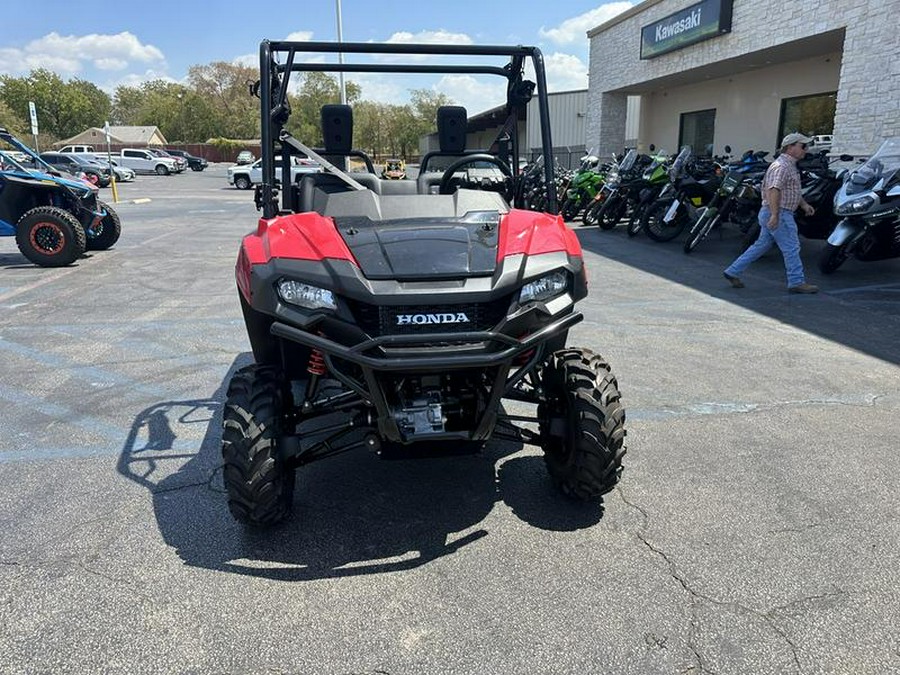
(316, 364)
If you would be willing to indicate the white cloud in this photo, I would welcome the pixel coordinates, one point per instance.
(576, 28)
(137, 79)
(111, 64)
(68, 54)
(300, 36)
(475, 95)
(438, 37)
(565, 72)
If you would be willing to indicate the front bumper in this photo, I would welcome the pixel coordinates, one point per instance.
(484, 344)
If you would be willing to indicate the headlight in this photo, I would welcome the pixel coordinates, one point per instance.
(858, 205)
(304, 295)
(544, 288)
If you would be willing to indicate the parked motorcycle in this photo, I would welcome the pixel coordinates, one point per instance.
(693, 183)
(737, 200)
(605, 209)
(644, 192)
(869, 204)
(582, 188)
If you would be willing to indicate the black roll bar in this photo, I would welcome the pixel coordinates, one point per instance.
(276, 75)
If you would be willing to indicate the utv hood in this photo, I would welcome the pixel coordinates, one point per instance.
(420, 248)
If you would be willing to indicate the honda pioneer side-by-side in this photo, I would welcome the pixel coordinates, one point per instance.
(430, 312)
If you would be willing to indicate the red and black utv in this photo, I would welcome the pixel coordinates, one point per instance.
(384, 313)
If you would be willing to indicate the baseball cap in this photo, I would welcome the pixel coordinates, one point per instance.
(790, 139)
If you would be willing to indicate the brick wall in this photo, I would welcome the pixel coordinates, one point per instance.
(869, 90)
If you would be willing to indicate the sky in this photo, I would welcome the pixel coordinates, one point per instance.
(112, 44)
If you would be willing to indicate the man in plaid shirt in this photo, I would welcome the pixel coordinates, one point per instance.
(781, 197)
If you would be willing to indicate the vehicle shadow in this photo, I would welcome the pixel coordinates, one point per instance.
(857, 306)
(353, 514)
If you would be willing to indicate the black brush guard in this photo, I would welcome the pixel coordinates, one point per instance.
(407, 354)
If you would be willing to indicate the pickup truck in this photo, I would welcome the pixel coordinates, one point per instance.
(78, 149)
(246, 176)
(143, 160)
(194, 162)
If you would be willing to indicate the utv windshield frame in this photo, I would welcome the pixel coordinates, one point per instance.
(275, 74)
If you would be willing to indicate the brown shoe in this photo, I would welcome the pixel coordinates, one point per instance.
(734, 281)
(803, 288)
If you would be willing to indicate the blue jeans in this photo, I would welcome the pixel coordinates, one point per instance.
(785, 236)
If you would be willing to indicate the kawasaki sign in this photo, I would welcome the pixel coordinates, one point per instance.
(698, 22)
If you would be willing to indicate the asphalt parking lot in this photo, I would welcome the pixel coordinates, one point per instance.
(756, 528)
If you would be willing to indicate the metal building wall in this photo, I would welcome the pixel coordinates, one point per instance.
(568, 116)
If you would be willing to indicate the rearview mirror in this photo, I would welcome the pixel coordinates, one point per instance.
(846, 158)
(652, 147)
(728, 149)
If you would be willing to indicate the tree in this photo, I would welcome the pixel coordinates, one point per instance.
(63, 108)
(225, 87)
(10, 121)
(425, 103)
(316, 90)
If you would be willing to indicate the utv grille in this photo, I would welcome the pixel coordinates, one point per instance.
(424, 319)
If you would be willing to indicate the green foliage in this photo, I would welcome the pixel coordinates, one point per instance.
(63, 108)
(215, 102)
(10, 121)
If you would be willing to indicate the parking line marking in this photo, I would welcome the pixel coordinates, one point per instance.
(49, 278)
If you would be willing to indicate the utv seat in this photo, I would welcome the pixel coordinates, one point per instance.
(451, 128)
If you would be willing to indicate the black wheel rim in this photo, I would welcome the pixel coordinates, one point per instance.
(48, 238)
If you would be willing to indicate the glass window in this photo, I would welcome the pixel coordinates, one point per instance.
(697, 130)
(810, 115)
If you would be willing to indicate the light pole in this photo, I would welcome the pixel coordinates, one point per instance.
(340, 37)
(180, 96)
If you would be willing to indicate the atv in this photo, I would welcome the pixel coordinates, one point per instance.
(419, 315)
(394, 169)
(54, 219)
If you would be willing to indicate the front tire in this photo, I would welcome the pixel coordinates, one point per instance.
(258, 479)
(162, 170)
(657, 228)
(570, 208)
(110, 230)
(582, 424)
(635, 220)
(611, 212)
(50, 237)
(242, 183)
(832, 257)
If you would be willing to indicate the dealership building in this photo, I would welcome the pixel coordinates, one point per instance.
(745, 73)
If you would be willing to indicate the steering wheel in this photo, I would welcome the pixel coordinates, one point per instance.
(444, 187)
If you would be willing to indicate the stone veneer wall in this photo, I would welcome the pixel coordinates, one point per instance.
(868, 100)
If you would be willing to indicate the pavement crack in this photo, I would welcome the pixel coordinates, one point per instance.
(696, 597)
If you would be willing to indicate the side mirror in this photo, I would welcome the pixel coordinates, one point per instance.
(846, 158)
(652, 147)
(727, 149)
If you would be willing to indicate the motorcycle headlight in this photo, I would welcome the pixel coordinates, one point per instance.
(546, 287)
(304, 295)
(858, 205)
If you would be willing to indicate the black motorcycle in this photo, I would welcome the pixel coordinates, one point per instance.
(737, 200)
(869, 204)
(693, 184)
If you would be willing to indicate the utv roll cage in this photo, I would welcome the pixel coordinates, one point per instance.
(278, 59)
